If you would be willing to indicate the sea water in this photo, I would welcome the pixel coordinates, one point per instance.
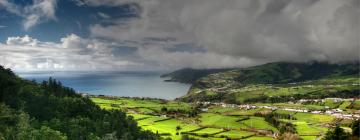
(130, 84)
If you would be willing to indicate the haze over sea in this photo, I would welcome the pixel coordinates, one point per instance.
(132, 84)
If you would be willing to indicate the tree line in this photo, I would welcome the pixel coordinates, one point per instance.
(49, 110)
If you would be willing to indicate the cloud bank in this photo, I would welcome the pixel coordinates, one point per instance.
(71, 53)
(255, 30)
(171, 34)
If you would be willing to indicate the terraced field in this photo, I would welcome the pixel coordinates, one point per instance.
(355, 105)
(260, 92)
(216, 126)
(218, 123)
(142, 106)
(314, 118)
(236, 134)
(166, 127)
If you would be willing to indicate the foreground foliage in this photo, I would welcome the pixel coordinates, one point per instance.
(51, 111)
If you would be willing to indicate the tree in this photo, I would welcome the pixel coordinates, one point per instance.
(51, 111)
(356, 128)
(23, 127)
(164, 109)
(48, 133)
(336, 133)
(178, 128)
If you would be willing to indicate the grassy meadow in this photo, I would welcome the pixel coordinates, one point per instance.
(209, 125)
(217, 122)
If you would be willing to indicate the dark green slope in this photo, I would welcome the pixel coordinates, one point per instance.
(277, 72)
(277, 82)
(51, 111)
(188, 75)
(284, 72)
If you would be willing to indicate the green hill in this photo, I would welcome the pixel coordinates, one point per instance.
(188, 75)
(51, 111)
(283, 72)
(277, 82)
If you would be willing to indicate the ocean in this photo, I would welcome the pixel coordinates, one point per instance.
(130, 84)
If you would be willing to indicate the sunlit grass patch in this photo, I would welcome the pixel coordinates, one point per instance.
(308, 137)
(235, 134)
(304, 128)
(314, 118)
(220, 121)
(259, 138)
(258, 123)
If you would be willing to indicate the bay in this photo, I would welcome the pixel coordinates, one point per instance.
(129, 84)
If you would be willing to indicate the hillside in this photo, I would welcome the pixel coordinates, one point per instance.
(277, 82)
(51, 111)
(189, 76)
(283, 72)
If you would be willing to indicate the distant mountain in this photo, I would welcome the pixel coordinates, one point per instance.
(239, 85)
(188, 75)
(277, 72)
(285, 72)
(29, 110)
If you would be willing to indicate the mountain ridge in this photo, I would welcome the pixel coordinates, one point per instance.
(190, 75)
(222, 85)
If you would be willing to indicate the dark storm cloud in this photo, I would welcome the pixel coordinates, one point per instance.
(203, 33)
(257, 31)
(186, 47)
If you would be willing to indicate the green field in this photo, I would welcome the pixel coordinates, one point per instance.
(308, 137)
(330, 103)
(248, 92)
(313, 118)
(237, 112)
(312, 93)
(345, 104)
(259, 138)
(143, 106)
(235, 134)
(304, 128)
(258, 123)
(218, 123)
(208, 131)
(215, 125)
(355, 105)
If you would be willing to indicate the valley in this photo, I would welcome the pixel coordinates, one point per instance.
(271, 101)
(206, 120)
(307, 101)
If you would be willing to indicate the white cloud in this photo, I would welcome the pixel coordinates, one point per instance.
(10, 7)
(103, 15)
(72, 41)
(21, 41)
(38, 12)
(72, 53)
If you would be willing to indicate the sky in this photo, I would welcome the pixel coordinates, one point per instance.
(115, 35)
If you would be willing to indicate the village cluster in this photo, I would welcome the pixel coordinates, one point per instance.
(336, 112)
